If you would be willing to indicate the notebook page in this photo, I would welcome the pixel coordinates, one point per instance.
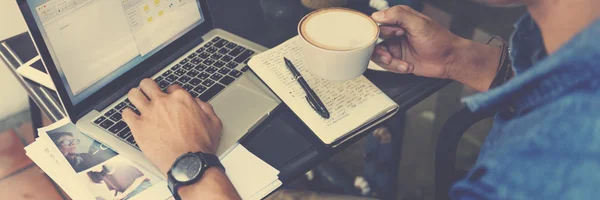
(350, 103)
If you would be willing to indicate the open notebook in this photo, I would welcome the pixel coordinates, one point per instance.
(354, 105)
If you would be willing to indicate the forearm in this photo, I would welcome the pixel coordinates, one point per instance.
(476, 64)
(213, 185)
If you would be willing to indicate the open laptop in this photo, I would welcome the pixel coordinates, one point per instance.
(97, 50)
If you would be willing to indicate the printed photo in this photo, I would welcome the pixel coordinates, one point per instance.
(117, 179)
(81, 151)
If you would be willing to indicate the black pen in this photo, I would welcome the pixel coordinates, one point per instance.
(311, 96)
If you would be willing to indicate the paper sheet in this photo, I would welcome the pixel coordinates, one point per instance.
(38, 153)
(350, 103)
(86, 176)
(250, 175)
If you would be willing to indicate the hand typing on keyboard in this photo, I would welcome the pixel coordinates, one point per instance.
(173, 123)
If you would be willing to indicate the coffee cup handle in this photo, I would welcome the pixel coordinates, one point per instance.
(379, 40)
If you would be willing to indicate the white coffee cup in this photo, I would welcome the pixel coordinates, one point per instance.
(337, 42)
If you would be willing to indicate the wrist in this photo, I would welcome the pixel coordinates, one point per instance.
(475, 64)
(210, 173)
(214, 184)
(168, 161)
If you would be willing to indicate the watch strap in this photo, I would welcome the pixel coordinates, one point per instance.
(212, 161)
(173, 186)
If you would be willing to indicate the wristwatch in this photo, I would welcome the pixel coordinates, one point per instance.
(188, 169)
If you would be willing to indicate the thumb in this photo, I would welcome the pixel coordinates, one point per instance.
(210, 112)
(402, 16)
(129, 116)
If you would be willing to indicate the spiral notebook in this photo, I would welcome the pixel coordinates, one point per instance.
(355, 105)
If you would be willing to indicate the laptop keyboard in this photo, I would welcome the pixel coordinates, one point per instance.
(203, 73)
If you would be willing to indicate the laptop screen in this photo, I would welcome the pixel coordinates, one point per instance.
(92, 42)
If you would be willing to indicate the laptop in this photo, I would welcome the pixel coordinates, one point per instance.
(97, 50)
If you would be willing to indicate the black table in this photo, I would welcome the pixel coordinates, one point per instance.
(256, 21)
(247, 18)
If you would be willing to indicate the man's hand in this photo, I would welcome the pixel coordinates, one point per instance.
(171, 124)
(416, 44)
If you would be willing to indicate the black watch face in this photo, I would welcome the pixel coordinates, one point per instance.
(186, 168)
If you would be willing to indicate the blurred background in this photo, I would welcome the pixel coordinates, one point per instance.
(21, 179)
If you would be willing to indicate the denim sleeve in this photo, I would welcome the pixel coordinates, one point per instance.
(551, 153)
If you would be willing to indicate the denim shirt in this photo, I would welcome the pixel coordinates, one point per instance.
(545, 141)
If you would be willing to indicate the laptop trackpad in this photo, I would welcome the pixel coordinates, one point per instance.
(239, 108)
